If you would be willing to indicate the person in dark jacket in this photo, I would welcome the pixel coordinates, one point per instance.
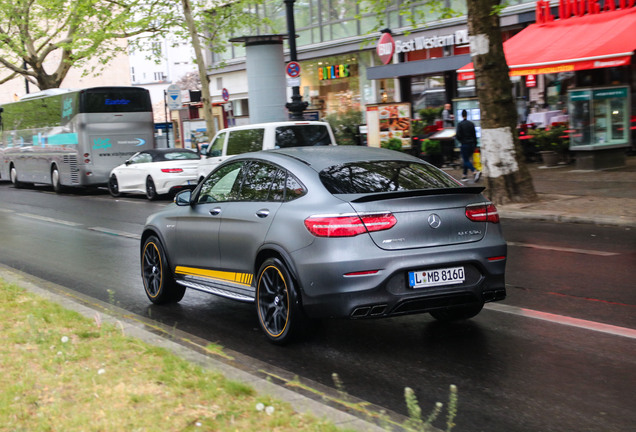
(467, 137)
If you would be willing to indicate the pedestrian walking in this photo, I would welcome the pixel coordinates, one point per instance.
(467, 137)
(447, 116)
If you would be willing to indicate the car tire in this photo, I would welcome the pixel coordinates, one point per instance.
(151, 190)
(113, 186)
(277, 303)
(457, 313)
(55, 180)
(13, 175)
(159, 283)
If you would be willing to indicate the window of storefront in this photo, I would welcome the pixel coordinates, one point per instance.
(428, 91)
(333, 84)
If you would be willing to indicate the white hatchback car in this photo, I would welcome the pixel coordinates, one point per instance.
(155, 172)
(263, 136)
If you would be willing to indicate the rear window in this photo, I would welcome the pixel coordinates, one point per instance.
(302, 136)
(245, 140)
(180, 155)
(384, 176)
(114, 100)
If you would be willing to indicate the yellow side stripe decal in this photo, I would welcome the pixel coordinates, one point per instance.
(239, 278)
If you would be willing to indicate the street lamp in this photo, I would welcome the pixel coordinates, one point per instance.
(296, 106)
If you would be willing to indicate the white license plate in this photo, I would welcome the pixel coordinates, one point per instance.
(428, 278)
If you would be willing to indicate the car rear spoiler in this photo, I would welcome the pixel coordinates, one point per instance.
(470, 190)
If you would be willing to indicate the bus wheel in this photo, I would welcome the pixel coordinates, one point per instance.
(14, 178)
(151, 190)
(113, 186)
(55, 180)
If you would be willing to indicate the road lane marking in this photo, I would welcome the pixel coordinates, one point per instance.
(115, 232)
(564, 249)
(560, 319)
(48, 219)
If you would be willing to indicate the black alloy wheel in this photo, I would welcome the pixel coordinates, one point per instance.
(457, 313)
(279, 315)
(113, 186)
(151, 190)
(159, 283)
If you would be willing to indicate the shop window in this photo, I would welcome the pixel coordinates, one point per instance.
(428, 91)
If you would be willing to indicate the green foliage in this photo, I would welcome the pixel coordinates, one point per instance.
(417, 128)
(429, 115)
(393, 144)
(345, 126)
(413, 12)
(550, 139)
(67, 33)
(431, 147)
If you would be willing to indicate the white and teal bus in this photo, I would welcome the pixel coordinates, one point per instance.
(73, 137)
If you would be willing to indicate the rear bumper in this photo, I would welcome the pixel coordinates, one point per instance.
(327, 292)
(176, 184)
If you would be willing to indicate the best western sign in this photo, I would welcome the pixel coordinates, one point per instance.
(387, 46)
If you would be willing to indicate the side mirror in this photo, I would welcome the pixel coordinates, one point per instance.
(183, 198)
(128, 162)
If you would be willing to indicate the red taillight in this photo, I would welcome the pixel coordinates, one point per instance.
(349, 225)
(171, 170)
(482, 213)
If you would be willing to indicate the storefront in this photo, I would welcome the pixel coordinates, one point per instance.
(579, 69)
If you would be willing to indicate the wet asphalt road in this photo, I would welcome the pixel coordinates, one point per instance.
(516, 371)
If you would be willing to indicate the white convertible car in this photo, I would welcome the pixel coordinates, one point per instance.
(155, 172)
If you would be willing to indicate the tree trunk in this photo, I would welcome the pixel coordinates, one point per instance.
(507, 176)
(206, 99)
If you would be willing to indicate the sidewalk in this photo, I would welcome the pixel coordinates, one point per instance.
(569, 195)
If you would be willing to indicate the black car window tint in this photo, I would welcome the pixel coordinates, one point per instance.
(384, 176)
(245, 140)
(302, 136)
(217, 146)
(293, 188)
(222, 185)
(257, 181)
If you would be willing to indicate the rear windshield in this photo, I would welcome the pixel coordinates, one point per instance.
(302, 136)
(179, 155)
(384, 176)
(114, 100)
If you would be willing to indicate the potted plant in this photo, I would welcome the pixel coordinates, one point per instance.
(428, 115)
(551, 144)
(432, 152)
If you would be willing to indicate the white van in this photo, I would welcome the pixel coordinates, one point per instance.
(262, 136)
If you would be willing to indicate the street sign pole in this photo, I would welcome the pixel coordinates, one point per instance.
(165, 112)
(296, 106)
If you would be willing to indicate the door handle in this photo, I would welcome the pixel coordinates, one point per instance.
(262, 213)
(215, 211)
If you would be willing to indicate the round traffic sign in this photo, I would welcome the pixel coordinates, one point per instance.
(293, 69)
(225, 94)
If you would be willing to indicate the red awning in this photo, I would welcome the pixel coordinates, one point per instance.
(593, 41)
